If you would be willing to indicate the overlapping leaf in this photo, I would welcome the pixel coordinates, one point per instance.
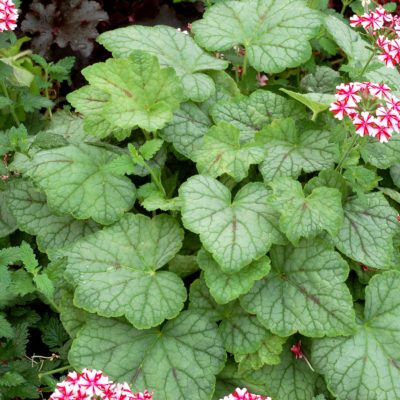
(115, 274)
(367, 232)
(52, 231)
(76, 181)
(235, 232)
(290, 151)
(222, 153)
(304, 292)
(179, 361)
(173, 49)
(252, 113)
(367, 364)
(274, 33)
(225, 287)
(126, 93)
(306, 216)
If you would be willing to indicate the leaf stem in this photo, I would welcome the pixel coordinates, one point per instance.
(12, 110)
(54, 371)
(155, 177)
(368, 62)
(343, 159)
(244, 66)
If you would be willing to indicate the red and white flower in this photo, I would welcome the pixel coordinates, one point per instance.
(8, 16)
(372, 108)
(244, 394)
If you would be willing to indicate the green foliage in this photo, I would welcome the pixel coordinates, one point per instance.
(190, 220)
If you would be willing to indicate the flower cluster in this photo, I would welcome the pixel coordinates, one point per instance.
(385, 28)
(243, 394)
(8, 16)
(371, 106)
(91, 385)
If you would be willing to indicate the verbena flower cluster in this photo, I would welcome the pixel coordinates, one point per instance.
(386, 28)
(243, 394)
(8, 16)
(93, 384)
(372, 108)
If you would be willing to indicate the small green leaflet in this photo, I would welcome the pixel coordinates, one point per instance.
(316, 102)
(305, 292)
(290, 151)
(126, 93)
(8, 224)
(291, 379)
(179, 361)
(306, 216)
(268, 353)
(253, 112)
(223, 223)
(115, 270)
(367, 231)
(225, 287)
(173, 49)
(367, 363)
(76, 181)
(187, 128)
(223, 153)
(274, 33)
(53, 232)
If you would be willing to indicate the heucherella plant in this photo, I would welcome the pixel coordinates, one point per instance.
(218, 210)
(8, 15)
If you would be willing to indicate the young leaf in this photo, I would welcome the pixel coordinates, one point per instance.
(268, 353)
(275, 34)
(126, 93)
(306, 216)
(367, 363)
(367, 231)
(115, 270)
(173, 49)
(305, 292)
(223, 153)
(226, 287)
(150, 148)
(76, 182)
(178, 361)
(252, 113)
(235, 232)
(30, 209)
(290, 151)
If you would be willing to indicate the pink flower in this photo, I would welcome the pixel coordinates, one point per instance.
(388, 117)
(379, 90)
(365, 124)
(8, 15)
(243, 394)
(348, 93)
(341, 108)
(93, 381)
(372, 20)
(355, 21)
(383, 133)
